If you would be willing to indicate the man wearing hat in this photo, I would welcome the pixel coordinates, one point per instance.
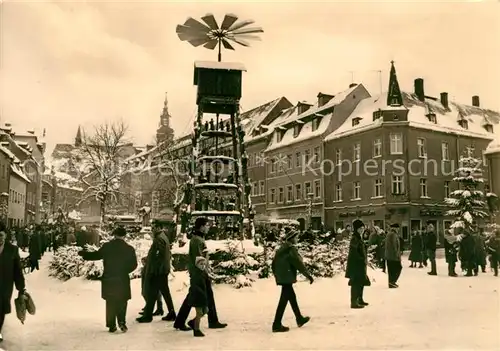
(356, 269)
(393, 256)
(287, 261)
(119, 260)
(431, 246)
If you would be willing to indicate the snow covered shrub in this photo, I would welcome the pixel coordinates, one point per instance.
(66, 263)
(233, 266)
(325, 260)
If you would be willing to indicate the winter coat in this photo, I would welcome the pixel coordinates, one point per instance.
(70, 239)
(286, 263)
(159, 256)
(480, 250)
(119, 260)
(392, 247)
(379, 241)
(35, 248)
(431, 241)
(11, 274)
(467, 249)
(450, 249)
(493, 245)
(417, 246)
(356, 268)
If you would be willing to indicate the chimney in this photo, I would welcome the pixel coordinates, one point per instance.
(323, 99)
(352, 85)
(302, 107)
(419, 89)
(475, 101)
(444, 100)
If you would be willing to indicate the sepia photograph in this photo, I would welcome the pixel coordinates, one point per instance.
(249, 175)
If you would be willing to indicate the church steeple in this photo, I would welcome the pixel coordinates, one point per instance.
(78, 138)
(164, 131)
(394, 97)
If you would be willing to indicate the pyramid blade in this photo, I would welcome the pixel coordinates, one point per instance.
(226, 45)
(211, 44)
(209, 19)
(246, 37)
(194, 24)
(198, 42)
(189, 32)
(228, 21)
(248, 30)
(240, 41)
(238, 25)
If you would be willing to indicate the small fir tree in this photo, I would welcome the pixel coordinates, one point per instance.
(468, 202)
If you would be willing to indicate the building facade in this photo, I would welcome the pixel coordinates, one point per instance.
(492, 155)
(393, 160)
(18, 185)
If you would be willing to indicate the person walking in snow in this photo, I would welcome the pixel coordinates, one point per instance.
(393, 256)
(493, 245)
(431, 247)
(356, 268)
(119, 260)
(197, 248)
(285, 265)
(417, 247)
(159, 302)
(156, 277)
(11, 273)
(35, 249)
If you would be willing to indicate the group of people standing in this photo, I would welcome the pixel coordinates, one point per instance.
(119, 260)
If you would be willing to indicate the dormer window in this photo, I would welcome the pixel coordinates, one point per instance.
(489, 128)
(463, 123)
(355, 121)
(296, 130)
(432, 118)
(377, 115)
(315, 123)
(280, 135)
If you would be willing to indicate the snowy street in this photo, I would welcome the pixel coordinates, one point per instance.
(424, 313)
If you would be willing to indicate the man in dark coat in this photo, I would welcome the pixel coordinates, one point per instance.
(431, 246)
(393, 256)
(197, 248)
(467, 254)
(451, 250)
(377, 240)
(35, 249)
(480, 250)
(493, 245)
(356, 269)
(286, 263)
(156, 277)
(11, 274)
(119, 260)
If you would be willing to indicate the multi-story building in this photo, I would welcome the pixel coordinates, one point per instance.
(294, 180)
(34, 170)
(28, 165)
(493, 161)
(6, 157)
(393, 159)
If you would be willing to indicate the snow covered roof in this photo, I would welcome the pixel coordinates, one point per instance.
(232, 66)
(19, 172)
(292, 113)
(494, 146)
(306, 133)
(417, 110)
(7, 152)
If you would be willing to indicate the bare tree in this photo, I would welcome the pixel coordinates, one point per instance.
(102, 155)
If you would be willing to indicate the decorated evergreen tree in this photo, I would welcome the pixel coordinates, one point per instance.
(468, 201)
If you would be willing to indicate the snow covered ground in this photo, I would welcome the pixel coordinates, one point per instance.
(424, 313)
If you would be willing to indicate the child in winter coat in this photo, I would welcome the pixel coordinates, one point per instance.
(287, 261)
(493, 246)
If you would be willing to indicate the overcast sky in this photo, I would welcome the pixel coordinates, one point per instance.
(73, 63)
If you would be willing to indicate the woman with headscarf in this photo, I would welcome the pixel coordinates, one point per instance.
(356, 270)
